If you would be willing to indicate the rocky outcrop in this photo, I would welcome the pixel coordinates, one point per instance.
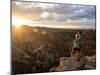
(91, 63)
(70, 64)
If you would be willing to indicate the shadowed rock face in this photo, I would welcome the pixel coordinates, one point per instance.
(70, 64)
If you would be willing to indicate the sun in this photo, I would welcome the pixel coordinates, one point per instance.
(18, 22)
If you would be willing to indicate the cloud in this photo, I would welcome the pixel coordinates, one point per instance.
(83, 14)
(25, 10)
(53, 16)
(88, 12)
(45, 15)
(75, 12)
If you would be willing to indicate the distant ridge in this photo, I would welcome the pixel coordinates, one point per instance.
(43, 27)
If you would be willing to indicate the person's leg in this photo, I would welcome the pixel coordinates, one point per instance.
(78, 54)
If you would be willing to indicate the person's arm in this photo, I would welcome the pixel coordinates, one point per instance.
(74, 43)
(78, 36)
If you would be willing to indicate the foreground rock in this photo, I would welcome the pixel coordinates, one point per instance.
(91, 63)
(70, 64)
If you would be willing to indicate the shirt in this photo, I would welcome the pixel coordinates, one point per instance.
(77, 41)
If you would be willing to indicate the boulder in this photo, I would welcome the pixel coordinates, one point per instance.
(91, 63)
(70, 64)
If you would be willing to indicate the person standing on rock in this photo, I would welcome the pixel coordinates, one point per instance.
(77, 45)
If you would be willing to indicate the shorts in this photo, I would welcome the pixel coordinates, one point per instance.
(76, 49)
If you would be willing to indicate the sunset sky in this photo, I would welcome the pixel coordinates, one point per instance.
(54, 15)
